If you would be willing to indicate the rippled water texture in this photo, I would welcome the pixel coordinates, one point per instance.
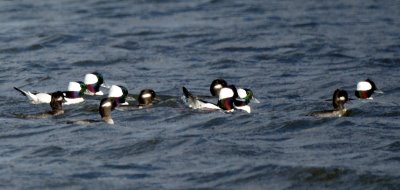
(292, 54)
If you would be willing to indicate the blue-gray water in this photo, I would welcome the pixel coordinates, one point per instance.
(293, 54)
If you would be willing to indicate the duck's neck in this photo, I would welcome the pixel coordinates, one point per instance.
(226, 104)
(73, 94)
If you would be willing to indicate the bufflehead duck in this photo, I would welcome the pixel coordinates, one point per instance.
(365, 89)
(216, 86)
(93, 81)
(243, 93)
(57, 99)
(339, 98)
(196, 103)
(226, 100)
(56, 102)
(242, 99)
(146, 97)
(105, 108)
(35, 98)
(119, 94)
(75, 92)
(246, 95)
(73, 95)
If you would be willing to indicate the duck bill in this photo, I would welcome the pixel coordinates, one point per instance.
(255, 100)
(379, 91)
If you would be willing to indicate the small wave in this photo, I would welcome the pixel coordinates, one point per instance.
(52, 151)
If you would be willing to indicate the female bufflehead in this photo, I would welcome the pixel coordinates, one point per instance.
(339, 98)
(105, 108)
(365, 89)
(93, 81)
(216, 86)
(57, 99)
(73, 95)
(145, 98)
(107, 105)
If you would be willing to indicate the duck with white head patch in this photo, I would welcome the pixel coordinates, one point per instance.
(146, 97)
(339, 98)
(93, 82)
(226, 100)
(195, 103)
(57, 99)
(107, 105)
(243, 93)
(73, 95)
(75, 92)
(119, 94)
(365, 89)
(216, 86)
(35, 97)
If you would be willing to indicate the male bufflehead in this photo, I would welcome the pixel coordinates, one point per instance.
(105, 108)
(35, 98)
(365, 89)
(72, 96)
(75, 92)
(93, 81)
(119, 94)
(339, 98)
(243, 93)
(246, 95)
(226, 100)
(196, 103)
(242, 99)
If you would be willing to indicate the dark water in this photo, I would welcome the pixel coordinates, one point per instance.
(293, 54)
